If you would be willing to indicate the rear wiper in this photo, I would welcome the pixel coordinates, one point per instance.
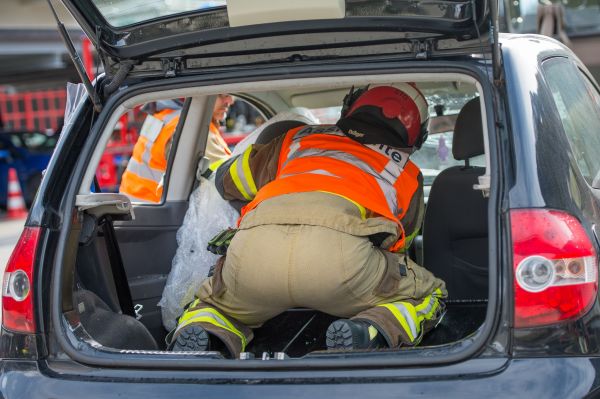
(77, 61)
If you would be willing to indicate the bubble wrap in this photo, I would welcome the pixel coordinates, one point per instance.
(207, 215)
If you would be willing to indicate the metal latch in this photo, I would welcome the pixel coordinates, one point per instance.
(484, 185)
(422, 49)
(171, 66)
(203, 165)
(138, 310)
(266, 356)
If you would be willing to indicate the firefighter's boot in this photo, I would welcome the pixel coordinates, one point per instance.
(191, 338)
(194, 338)
(203, 327)
(351, 334)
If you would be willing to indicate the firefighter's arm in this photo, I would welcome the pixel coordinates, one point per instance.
(413, 218)
(240, 177)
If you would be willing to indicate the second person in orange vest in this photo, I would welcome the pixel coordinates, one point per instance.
(332, 210)
(143, 178)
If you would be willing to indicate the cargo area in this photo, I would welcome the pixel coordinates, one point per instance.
(125, 252)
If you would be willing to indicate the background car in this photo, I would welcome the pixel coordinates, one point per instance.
(28, 153)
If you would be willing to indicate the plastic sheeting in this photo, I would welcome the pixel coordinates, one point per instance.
(76, 95)
(207, 215)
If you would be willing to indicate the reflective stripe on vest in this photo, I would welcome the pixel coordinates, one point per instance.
(150, 154)
(385, 179)
(143, 170)
(143, 178)
(322, 158)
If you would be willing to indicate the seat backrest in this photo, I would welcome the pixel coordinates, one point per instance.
(455, 231)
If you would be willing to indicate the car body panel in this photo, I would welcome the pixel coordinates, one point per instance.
(544, 147)
(542, 378)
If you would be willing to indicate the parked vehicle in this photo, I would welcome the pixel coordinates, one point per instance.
(516, 240)
(28, 153)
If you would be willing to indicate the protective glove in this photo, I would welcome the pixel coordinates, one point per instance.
(218, 244)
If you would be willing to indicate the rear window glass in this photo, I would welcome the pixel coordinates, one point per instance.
(129, 12)
(120, 13)
(578, 104)
(38, 142)
(435, 154)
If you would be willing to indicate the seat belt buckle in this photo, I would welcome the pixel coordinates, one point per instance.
(203, 168)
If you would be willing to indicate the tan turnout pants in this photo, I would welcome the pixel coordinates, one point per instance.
(272, 268)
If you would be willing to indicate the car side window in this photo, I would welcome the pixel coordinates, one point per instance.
(136, 158)
(578, 104)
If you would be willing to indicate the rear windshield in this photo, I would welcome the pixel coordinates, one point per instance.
(435, 154)
(129, 12)
(119, 13)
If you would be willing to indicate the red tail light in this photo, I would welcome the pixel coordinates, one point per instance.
(17, 293)
(555, 266)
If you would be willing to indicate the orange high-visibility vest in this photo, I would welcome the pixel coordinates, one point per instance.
(143, 178)
(323, 158)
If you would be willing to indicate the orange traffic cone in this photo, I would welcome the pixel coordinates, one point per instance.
(15, 204)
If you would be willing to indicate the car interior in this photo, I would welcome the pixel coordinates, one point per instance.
(125, 249)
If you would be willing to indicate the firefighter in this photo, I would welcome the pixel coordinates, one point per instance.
(143, 178)
(332, 210)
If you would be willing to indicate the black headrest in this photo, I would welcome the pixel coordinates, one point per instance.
(468, 132)
(276, 129)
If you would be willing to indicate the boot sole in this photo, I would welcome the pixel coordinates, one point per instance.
(339, 336)
(191, 339)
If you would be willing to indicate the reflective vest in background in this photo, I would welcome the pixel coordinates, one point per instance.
(143, 178)
(322, 158)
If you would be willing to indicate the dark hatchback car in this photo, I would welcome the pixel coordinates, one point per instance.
(514, 235)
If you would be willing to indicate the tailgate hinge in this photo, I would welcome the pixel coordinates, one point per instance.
(171, 66)
(422, 48)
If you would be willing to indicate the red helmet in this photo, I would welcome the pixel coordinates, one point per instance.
(402, 107)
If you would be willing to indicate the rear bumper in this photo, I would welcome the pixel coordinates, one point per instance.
(535, 378)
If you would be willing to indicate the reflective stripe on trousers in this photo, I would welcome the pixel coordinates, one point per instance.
(211, 316)
(411, 317)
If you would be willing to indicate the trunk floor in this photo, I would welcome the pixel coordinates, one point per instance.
(286, 330)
